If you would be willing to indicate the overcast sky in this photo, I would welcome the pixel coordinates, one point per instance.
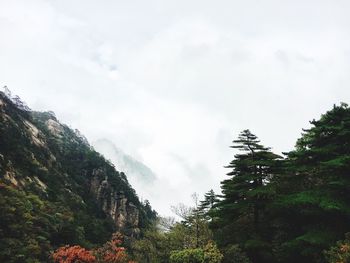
(172, 83)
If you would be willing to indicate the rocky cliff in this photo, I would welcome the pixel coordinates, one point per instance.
(114, 203)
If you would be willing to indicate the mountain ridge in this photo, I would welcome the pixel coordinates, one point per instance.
(44, 159)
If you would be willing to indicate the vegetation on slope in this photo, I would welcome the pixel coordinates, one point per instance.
(289, 210)
(272, 209)
(46, 199)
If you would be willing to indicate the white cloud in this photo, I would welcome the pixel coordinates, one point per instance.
(172, 82)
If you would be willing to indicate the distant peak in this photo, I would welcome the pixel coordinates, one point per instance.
(15, 99)
(7, 91)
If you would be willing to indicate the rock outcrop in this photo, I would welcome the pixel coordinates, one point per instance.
(124, 213)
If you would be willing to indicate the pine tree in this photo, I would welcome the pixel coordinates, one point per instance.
(313, 209)
(210, 199)
(207, 207)
(251, 172)
(246, 193)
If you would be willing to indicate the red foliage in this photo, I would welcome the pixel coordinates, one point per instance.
(74, 254)
(112, 252)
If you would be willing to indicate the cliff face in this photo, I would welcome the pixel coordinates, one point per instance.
(125, 214)
(83, 195)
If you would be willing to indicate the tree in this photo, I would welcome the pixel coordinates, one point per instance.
(26, 223)
(196, 226)
(154, 246)
(209, 254)
(234, 254)
(340, 253)
(189, 255)
(73, 254)
(110, 252)
(239, 217)
(208, 204)
(313, 209)
(210, 199)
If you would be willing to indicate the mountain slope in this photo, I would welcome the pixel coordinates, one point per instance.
(55, 189)
(142, 178)
(135, 169)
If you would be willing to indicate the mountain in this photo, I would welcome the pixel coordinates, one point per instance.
(55, 189)
(15, 99)
(136, 170)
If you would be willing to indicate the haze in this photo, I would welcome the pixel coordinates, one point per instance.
(172, 83)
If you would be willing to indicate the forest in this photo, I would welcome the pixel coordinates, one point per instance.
(290, 207)
(273, 208)
(186, 131)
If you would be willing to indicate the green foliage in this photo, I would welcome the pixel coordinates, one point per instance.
(233, 254)
(340, 253)
(208, 254)
(190, 255)
(47, 196)
(153, 247)
(26, 224)
(210, 200)
(188, 240)
(317, 176)
(271, 210)
(212, 254)
(240, 216)
(296, 207)
(195, 224)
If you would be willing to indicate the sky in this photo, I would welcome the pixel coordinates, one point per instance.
(172, 83)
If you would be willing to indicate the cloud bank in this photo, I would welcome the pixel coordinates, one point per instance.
(173, 82)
